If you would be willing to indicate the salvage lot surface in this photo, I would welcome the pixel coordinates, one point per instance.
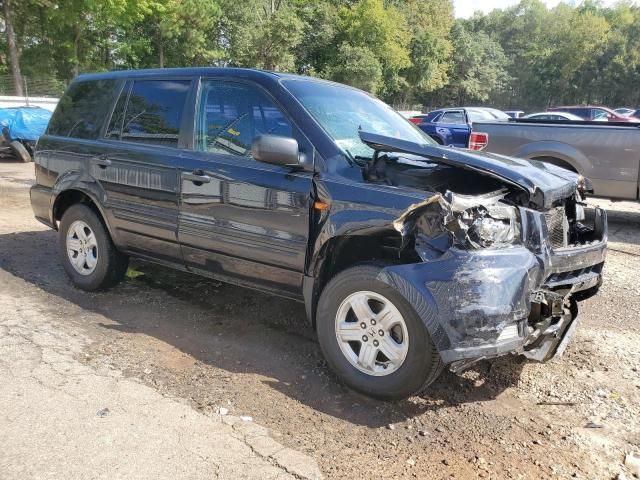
(214, 345)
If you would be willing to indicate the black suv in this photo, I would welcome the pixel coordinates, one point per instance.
(408, 256)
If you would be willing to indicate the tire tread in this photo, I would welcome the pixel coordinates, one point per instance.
(342, 281)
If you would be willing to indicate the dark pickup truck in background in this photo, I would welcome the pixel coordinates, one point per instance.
(608, 154)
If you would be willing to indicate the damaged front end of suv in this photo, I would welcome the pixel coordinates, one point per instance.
(503, 249)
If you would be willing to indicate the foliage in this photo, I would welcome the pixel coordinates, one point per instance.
(409, 52)
(261, 33)
(479, 69)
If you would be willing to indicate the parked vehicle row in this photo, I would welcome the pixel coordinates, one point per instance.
(553, 116)
(408, 256)
(595, 114)
(588, 113)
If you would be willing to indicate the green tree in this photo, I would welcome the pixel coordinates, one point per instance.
(317, 47)
(7, 9)
(430, 48)
(261, 34)
(376, 38)
(356, 66)
(479, 70)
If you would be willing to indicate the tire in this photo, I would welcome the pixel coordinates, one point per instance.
(20, 151)
(421, 363)
(104, 266)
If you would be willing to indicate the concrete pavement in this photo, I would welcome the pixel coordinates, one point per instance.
(62, 419)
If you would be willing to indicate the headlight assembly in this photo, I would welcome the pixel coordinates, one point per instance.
(492, 226)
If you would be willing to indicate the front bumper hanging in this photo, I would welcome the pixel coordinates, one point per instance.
(485, 303)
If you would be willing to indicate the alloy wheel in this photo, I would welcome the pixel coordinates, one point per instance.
(82, 248)
(371, 333)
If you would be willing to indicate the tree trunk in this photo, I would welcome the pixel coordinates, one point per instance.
(160, 49)
(76, 51)
(14, 59)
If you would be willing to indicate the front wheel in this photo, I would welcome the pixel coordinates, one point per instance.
(372, 337)
(88, 255)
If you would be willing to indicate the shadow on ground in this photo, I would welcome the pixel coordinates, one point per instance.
(237, 330)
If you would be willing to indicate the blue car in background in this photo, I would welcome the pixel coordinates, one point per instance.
(454, 126)
(21, 127)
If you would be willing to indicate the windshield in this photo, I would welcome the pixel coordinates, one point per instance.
(342, 111)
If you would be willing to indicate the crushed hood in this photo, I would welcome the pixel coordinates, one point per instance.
(545, 183)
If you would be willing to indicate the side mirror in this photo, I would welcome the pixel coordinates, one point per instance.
(276, 150)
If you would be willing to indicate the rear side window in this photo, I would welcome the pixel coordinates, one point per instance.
(153, 112)
(599, 114)
(82, 110)
(432, 117)
(452, 117)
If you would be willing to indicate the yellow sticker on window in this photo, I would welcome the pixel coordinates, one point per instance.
(233, 132)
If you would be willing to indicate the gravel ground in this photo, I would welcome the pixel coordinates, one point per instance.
(218, 346)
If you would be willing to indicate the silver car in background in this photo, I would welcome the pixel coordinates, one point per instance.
(553, 116)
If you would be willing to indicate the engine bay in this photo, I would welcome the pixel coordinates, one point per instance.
(476, 210)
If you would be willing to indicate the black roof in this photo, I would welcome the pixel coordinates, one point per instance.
(249, 73)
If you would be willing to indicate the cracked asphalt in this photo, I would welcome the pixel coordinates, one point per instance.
(61, 418)
(131, 383)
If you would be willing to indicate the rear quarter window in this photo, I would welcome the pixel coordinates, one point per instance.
(82, 110)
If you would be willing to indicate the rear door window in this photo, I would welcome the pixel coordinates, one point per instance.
(455, 117)
(153, 113)
(599, 114)
(232, 114)
(83, 109)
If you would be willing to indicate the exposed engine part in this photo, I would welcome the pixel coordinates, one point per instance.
(468, 222)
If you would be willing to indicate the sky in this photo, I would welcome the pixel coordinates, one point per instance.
(465, 8)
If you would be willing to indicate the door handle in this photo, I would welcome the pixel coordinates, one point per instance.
(102, 162)
(197, 177)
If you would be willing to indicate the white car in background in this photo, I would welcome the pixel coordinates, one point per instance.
(553, 116)
(625, 112)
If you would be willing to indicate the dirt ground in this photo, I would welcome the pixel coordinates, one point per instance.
(215, 345)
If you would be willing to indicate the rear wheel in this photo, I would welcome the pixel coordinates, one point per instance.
(20, 151)
(88, 255)
(372, 337)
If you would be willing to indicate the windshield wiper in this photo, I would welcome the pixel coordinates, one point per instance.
(359, 160)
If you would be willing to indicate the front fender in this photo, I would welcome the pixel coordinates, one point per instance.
(467, 299)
